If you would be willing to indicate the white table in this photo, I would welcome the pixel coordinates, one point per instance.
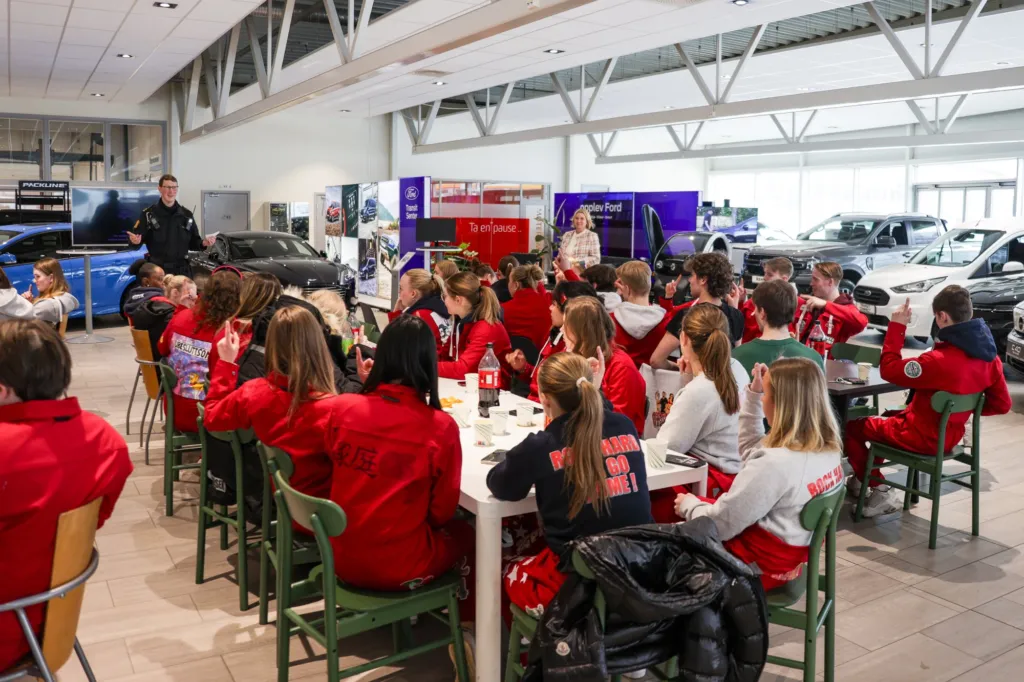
(86, 255)
(489, 512)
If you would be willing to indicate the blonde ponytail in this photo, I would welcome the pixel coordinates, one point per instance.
(708, 331)
(484, 301)
(527, 276)
(567, 379)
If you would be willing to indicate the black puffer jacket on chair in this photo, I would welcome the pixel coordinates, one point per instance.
(671, 590)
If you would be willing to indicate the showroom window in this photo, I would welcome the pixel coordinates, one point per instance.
(76, 151)
(826, 192)
(136, 152)
(21, 148)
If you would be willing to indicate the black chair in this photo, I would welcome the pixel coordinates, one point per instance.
(519, 386)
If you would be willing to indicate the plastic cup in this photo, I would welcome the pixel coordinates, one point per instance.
(656, 450)
(864, 370)
(484, 429)
(499, 415)
(472, 382)
(524, 413)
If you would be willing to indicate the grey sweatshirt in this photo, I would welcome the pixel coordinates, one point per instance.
(699, 425)
(772, 487)
(12, 305)
(52, 309)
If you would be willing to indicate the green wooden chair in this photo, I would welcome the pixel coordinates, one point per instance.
(212, 516)
(273, 460)
(350, 611)
(175, 442)
(820, 516)
(856, 353)
(945, 404)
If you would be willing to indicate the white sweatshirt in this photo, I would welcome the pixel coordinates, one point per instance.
(53, 309)
(13, 305)
(699, 425)
(773, 486)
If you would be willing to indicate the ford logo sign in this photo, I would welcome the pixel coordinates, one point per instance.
(412, 193)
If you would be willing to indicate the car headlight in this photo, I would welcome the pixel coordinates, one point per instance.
(918, 287)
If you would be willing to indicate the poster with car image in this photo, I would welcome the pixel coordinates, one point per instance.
(366, 283)
(368, 210)
(388, 210)
(736, 223)
(333, 229)
(350, 210)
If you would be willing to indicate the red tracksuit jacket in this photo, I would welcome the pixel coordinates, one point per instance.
(640, 350)
(840, 320)
(953, 366)
(262, 405)
(432, 311)
(750, 329)
(625, 388)
(187, 349)
(551, 346)
(528, 315)
(397, 471)
(467, 346)
(55, 458)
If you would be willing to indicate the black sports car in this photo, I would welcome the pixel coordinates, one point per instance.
(993, 300)
(289, 258)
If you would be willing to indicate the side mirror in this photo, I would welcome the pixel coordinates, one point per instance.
(886, 242)
(323, 254)
(7, 259)
(1012, 267)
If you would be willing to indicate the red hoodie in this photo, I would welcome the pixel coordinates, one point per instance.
(750, 329)
(397, 472)
(431, 309)
(639, 330)
(625, 387)
(187, 349)
(262, 405)
(55, 458)
(840, 320)
(467, 346)
(528, 315)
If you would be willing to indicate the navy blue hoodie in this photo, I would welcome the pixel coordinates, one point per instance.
(972, 337)
(433, 303)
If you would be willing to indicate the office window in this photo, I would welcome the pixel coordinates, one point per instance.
(777, 200)
(76, 151)
(21, 148)
(881, 189)
(136, 152)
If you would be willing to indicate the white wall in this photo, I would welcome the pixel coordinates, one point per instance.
(287, 156)
(156, 108)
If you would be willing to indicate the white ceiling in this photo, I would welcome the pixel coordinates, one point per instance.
(67, 49)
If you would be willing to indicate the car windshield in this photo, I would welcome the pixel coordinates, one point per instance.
(687, 244)
(840, 230)
(957, 248)
(6, 236)
(263, 247)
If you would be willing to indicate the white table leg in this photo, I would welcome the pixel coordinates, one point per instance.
(702, 485)
(488, 595)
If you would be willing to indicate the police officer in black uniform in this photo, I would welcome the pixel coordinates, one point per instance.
(169, 231)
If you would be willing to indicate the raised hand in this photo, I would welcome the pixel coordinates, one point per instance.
(228, 346)
(135, 238)
(903, 314)
(734, 296)
(757, 378)
(683, 365)
(563, 262)
(597, 366)
(672, 287)
(363, 367)
(516, 360)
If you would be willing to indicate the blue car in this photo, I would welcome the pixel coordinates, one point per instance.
(23, 245)
(369, 211)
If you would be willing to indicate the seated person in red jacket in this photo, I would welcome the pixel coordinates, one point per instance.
(153, 315)
(477, 315)
(397, 471)
(288, 408)
(711, 281)
(419, 294)
(500, 285)
(779, 267)
(259, 291)
(55, 458)
(526, 315)
(587, 328)
(589, 474)
(963, 361)
(484, 271)
(555, 343)
(188, 340)
(837, 313)
(639, 326)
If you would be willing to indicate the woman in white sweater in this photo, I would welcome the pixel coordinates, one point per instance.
(704, 420)
(758, 520)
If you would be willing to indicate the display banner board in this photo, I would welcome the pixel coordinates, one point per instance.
(612, 213)
(493, 238)
(349, 198)
(414, 196)
(672, 212)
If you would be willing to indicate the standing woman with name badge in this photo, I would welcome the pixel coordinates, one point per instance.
(582, 244)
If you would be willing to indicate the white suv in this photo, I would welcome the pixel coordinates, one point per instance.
(972, 251)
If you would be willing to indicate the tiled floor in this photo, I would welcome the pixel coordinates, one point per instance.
(905, 613)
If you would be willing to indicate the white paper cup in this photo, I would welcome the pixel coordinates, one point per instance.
(499, 415)
(484, 429)
(524, 413)
(462, 413)
(472, 382)
(864, 370)
(656, 450)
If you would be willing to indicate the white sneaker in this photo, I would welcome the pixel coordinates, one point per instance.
(853, 486)
(880, 502)
(636, 674)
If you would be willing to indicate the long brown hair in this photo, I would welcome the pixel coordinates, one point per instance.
(559, 379)
(484, 301)
(446, 268)
(257, 292)
(708, 331)
(296, 349)
(591, 326)
(51, 267)
(219, 301)
(527, 276)
(803, 419)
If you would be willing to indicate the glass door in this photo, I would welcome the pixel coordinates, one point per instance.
(959, 203)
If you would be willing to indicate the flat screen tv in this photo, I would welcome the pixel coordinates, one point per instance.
(435, 229)
(100, 217)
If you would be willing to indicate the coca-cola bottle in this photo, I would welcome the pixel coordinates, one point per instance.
(489, 374)
(818, 341)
